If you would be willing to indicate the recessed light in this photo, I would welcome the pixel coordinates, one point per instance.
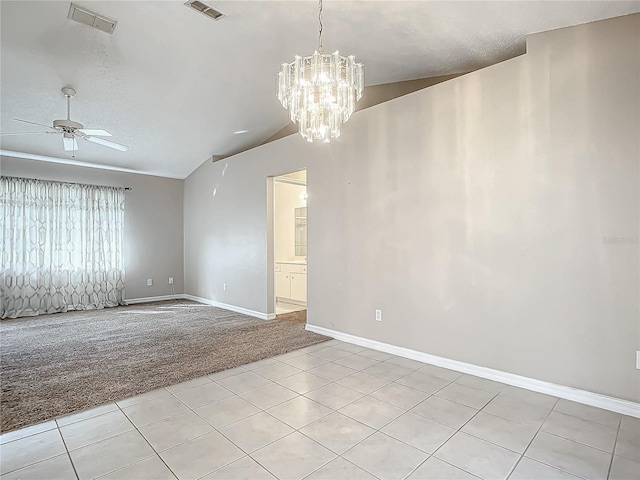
(237, 132)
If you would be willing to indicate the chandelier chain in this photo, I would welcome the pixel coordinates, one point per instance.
(320, 28)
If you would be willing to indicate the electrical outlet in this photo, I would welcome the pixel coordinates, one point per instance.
(378, 315)
(170, 280)
(224, 287)
(149, 282)
(638, 360)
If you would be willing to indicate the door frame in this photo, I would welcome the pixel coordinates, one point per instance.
(271, 207)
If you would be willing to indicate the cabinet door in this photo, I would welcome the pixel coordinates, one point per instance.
(298, 287)
(283, 285)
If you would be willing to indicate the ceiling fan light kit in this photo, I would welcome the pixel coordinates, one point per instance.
(71, 130)
(320, 91)
(69, 142)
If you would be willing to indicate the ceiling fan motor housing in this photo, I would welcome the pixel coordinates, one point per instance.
(67, 126)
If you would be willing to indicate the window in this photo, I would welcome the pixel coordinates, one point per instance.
(61, 246)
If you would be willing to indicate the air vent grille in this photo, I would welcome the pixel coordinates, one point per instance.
(205, 9)
(92, 19)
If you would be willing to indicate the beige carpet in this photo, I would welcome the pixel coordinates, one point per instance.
(56, 364)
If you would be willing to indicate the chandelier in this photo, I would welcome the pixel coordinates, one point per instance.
(320, 91)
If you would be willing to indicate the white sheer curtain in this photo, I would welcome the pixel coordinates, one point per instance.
(61, 247)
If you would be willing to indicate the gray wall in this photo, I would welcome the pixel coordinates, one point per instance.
(477, 214)
(226, 222)
(153, 234)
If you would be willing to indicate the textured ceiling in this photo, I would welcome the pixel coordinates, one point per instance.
(174, 85)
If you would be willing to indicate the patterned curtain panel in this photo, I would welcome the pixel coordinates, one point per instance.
(62, 247)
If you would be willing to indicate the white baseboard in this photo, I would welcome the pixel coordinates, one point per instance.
(618, 405)
(185, 296)
(233, 308)
(132, 301)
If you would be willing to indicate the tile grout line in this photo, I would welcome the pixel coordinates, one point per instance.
(246, 453)
(346, 460)
(59, 427)
(418, 466)
(615, 444)
(249, 453)
(66, 453)
(253, 459)
(233, 394)
(379, 430)
(539, 429)
(31, 434)
(577, 441)
(459, 430)
(73, 466)
(429, 455)
(148, 443)
(338, 455)
(531, 441)
(67, 450)
(521, 455)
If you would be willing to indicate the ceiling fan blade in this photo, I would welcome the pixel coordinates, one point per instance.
(107, 143)
(70, 143)
(26, 133)
(34, 123)
(95, 132)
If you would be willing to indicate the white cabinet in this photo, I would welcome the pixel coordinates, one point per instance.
(283, 284)
(291, 281)
(299, 287)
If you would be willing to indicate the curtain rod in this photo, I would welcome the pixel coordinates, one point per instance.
(126, 189)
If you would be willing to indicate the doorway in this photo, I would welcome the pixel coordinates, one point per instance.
(290, 242)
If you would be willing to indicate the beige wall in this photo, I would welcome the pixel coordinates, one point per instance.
(153, 232)
(475, 213)
(287, 197)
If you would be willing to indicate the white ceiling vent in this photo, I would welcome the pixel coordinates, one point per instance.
(205, 9)
(95, 20)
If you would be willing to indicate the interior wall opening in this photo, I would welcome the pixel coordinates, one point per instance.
(290, 242)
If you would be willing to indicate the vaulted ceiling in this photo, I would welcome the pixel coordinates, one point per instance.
(175, 85)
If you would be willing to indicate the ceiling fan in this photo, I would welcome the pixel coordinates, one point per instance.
(71, 130)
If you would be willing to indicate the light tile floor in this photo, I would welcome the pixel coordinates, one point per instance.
(286, 307)
(330, 411)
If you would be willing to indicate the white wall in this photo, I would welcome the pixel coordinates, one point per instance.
(475, 213)
(153, 231)
(287, 198)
